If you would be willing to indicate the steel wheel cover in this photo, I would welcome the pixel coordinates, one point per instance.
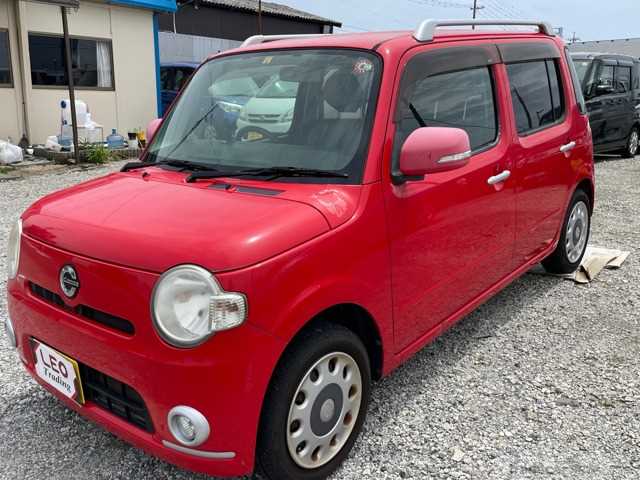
(577, 232)
(324, 410)
(634, 142)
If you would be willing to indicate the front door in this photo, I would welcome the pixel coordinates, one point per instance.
(452, 233)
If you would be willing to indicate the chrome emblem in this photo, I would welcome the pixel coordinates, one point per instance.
(69, 282)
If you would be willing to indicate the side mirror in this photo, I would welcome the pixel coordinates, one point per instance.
(604, 89)
(433, 150)
(152, 128)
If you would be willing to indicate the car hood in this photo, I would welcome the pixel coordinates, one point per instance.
(156, 220)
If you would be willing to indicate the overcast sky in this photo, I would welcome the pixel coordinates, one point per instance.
(610, 19)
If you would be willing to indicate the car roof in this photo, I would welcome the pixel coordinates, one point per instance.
(373, 40)
(610, 56)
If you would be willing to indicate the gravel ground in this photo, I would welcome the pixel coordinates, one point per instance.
(542, 382)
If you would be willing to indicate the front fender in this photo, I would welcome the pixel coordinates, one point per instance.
(349, 264)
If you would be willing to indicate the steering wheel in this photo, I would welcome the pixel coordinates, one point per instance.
(252, 128)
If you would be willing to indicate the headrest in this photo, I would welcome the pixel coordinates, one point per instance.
(342, 91)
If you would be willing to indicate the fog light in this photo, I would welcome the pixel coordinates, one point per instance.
(185, 427)
(188, 426)
(11, 334)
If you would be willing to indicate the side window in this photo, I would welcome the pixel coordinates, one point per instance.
(557, 98)
(166, 78)
(623, 79)
(576, 80)
(605, 79)
(182, 75)
(536, 94)
(462, 99)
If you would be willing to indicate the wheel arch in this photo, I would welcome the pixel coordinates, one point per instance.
(355, 318)
(586, 185)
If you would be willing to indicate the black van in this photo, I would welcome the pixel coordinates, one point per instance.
(611, 86)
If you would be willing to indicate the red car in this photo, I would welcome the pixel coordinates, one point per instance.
(226, 302)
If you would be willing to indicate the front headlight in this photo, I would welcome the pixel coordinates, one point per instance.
(13, 249)
(188, 306)
(230, 107)
(287, 116)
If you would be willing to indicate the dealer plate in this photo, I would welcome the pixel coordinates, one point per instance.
(58, 370)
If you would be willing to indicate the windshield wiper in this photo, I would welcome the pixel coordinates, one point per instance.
(193, 129)
(181, 164)
(271, 172)
(417, 116)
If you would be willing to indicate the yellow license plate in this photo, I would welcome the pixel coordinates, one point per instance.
(253, 136)
(58, 370)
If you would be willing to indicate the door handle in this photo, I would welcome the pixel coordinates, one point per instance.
(501, 177)
(568, 147)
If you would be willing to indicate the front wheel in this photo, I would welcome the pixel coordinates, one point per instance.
(315, 406)
(568, 254)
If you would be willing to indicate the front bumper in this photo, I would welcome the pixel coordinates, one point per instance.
(273, 127)
(225, 378)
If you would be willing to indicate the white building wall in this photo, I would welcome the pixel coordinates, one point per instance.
(133, 102)
(10, 98)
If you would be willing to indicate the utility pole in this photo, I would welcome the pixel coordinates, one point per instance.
(260, 17)
(475, 9)
(72, 95)
(574, 39)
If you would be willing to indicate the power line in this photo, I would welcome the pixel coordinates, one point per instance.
(442, 3)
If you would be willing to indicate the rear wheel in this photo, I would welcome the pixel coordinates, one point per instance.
(568, 254)
(633, 143)
(315, 407)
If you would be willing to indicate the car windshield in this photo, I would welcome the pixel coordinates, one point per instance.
(585, 68)
(582, 67)
(302, 109)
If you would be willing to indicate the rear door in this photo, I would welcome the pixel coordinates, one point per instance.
(607, 110)
(543, 142)
(625, 99)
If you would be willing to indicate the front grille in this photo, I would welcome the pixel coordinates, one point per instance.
(264, 118)
(115, 397)
(84, 311)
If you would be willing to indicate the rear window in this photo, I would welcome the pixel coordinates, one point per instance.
(536, 94)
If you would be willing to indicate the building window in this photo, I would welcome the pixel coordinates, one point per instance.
(91, 60)
(536, 94)
(5, 60)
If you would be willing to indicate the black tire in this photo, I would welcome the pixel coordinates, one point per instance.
(273, 460)
(558, 261)
(633, 140)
